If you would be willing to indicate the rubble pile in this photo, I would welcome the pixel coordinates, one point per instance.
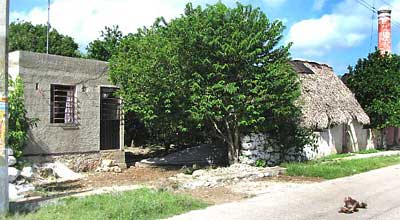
(25, 180)
(224, 175)
(108, 166)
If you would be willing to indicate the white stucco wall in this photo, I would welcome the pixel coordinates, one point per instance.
(338, 139)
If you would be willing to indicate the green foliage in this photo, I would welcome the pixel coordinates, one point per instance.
(104, 48)
(141, 204)
(261, 163)
(18, 123)
(339, 168)
(375, 81)
(28, 37)
(219, 70)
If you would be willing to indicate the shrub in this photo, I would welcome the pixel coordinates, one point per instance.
(18, 123)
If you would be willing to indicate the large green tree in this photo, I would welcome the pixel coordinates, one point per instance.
(29, 37)
(106, 46)
(218, 69)
(375, 81)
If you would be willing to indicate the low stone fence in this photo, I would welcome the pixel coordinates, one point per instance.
(257, 147)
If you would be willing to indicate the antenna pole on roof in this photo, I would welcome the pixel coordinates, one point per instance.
(48, 26)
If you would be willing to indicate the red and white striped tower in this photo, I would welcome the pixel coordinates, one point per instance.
(384, 30)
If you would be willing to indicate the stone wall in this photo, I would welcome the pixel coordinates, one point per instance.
(329, 141)
(82, 162)
(38, 73)
(256, 147)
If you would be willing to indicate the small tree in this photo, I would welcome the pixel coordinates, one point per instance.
(375, 81)
(216, 69)
(104, 48)
(18, 122)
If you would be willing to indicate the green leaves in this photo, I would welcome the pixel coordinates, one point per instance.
(29, 37)
(375, 81)
(104, 48)
(18, 122)
(218, 67)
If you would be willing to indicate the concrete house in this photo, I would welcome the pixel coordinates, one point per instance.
(79, 114)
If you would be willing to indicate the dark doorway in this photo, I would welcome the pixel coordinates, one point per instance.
(109, 119)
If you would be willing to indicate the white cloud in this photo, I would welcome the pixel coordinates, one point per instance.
(83, 20)
(316, 37)
(347, 26)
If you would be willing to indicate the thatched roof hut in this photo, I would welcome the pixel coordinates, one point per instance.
(325, 99)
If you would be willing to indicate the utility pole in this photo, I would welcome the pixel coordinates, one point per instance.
(48, 26)
(4, 200)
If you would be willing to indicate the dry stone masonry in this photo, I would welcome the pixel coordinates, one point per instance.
(257, 147)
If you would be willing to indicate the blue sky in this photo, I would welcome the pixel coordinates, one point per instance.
(335, 32)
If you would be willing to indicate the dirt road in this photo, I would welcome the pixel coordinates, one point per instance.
(379, 188)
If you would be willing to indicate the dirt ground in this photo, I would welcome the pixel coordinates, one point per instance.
(131, 176)
(158, 178)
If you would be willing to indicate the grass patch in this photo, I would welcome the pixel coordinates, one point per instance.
(338, 168)
(142, 204)
(369, 151)
(335, 156)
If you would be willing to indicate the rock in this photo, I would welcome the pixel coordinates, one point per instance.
(225, 175)
(27, 172)
(13, 192)
(46, 172)
(12, 161)
(10, 152)
(198, 173)
(13, 174)
(24, 188)
(249, 146)
(107, 163)
(116, 169)
(63, 172)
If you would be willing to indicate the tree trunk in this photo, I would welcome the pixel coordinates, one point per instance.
(231, 154)
(231, 137)
(396, 136)
(383, 138)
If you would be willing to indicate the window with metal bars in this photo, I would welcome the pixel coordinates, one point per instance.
(62, 104)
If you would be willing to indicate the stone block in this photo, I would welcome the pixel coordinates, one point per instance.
(12, 161)
(13, 192)
(10, 152)
(107, 163)
(248, 146)
(13, 174)
(27, 172)
(246, 139)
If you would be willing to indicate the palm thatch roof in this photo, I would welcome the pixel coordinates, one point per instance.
(325, 99)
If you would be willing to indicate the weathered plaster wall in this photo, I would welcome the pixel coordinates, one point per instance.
(364, 137)
(38, 72)
(329, 141)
